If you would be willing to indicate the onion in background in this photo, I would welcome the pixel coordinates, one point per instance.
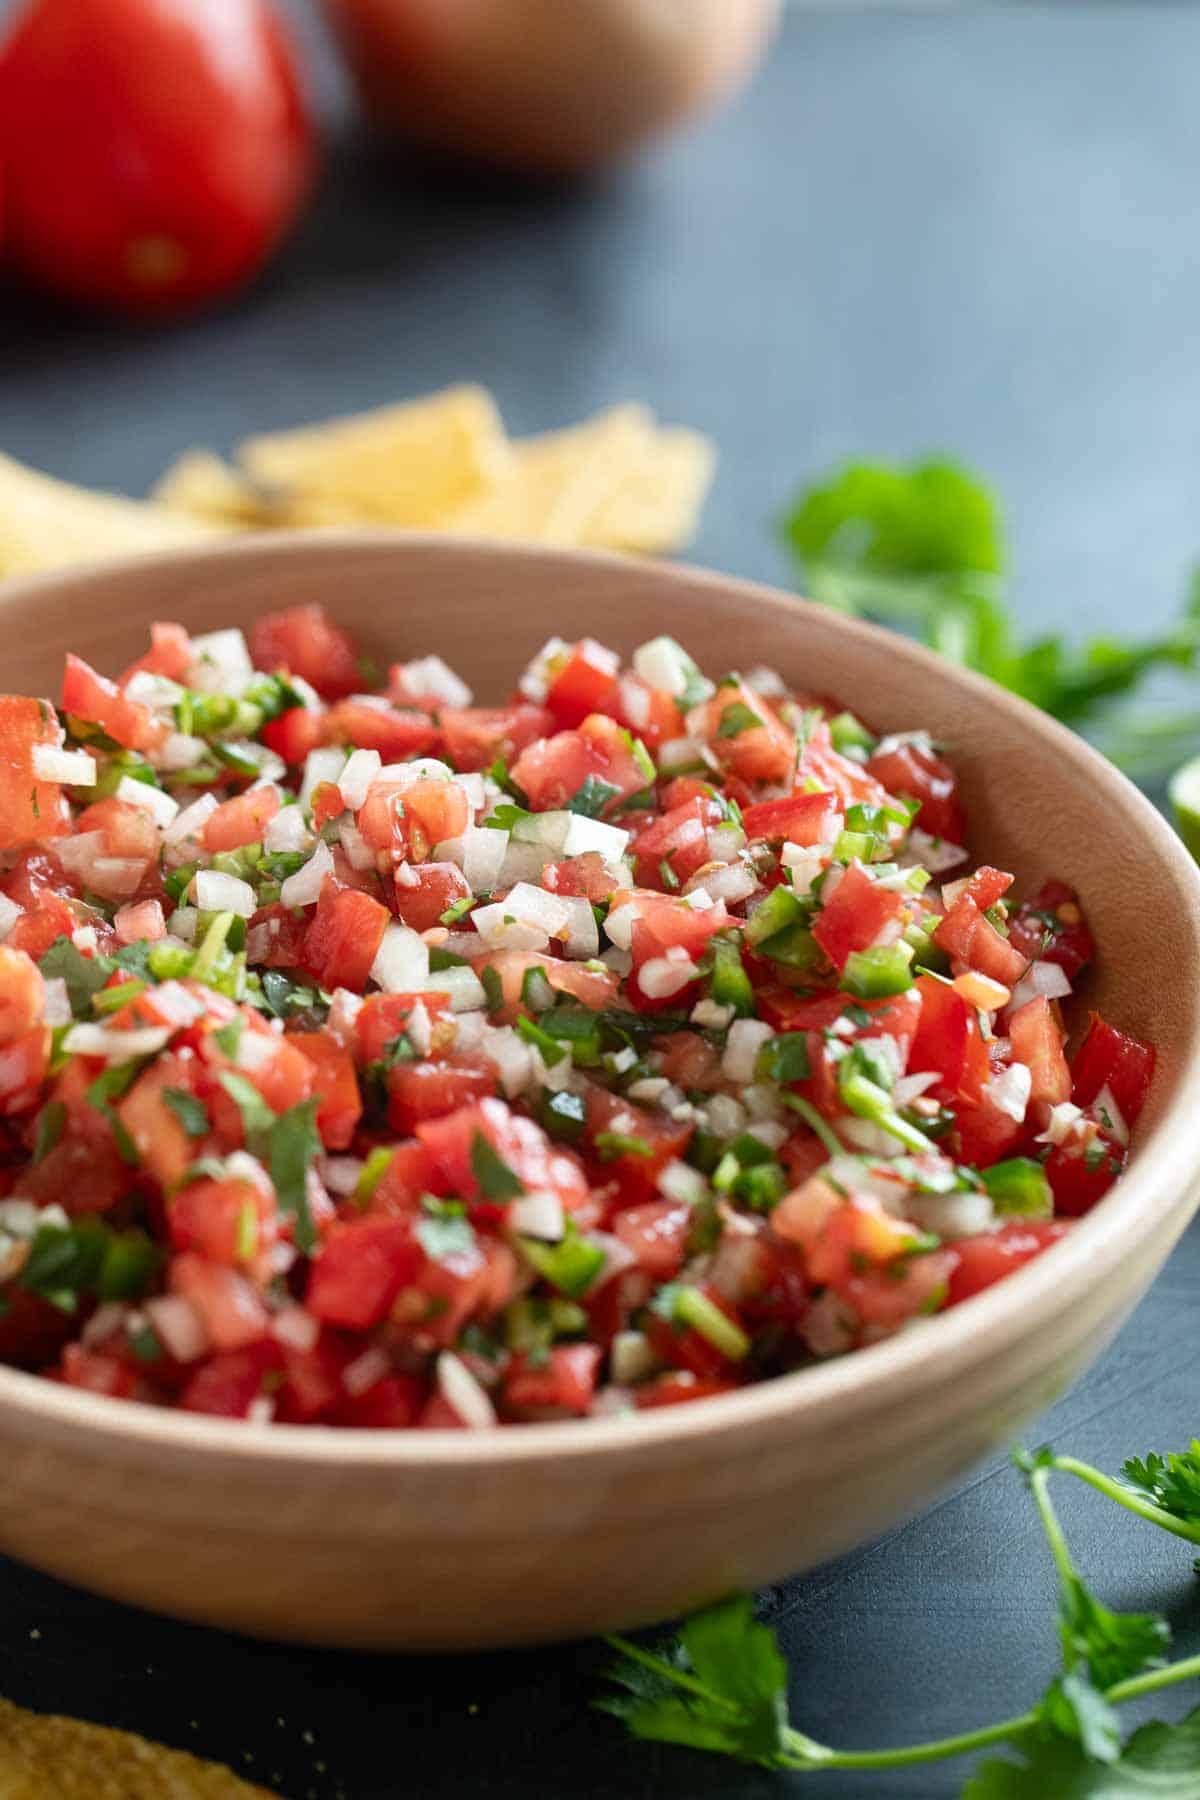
(547, 86)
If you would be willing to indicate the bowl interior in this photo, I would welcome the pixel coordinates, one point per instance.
(1040, 802)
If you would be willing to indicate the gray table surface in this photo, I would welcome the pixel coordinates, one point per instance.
(970, 230)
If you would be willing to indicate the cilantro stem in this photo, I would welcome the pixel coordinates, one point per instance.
(938, 1750)
(1038, 1484)
(815, 1123)
(1134, 1503)
(1186, 1669)
(671, 1671)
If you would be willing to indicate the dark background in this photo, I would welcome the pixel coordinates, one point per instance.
(972, 231)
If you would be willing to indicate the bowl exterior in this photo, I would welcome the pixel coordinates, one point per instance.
(553, 1532)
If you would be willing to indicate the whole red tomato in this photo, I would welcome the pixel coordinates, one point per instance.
(154, 151)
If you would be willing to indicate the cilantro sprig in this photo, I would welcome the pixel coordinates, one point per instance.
(721, 1683)
(923, 548)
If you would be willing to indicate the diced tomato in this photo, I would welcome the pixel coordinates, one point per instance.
(284, 936)
(241, 820)
(344, 937)
(97, 1372)
(295, 732)
(83, 1172)
(22, 994)
(435, 812)
(29, 807)
(1051, 927)
(1037, 1041)
(409, 1174)
(305, 641)
(657, 1233)
(985, 1133)
(520, 1144)
(987, 1258)
(664, 923)
(588, 986)
(1116, 1060)
(141, 922)
(429, 1090)
(947, 1041)
(552, 770)
(583, 877)
(650, 713)
(911, 772)
(822, 764)
(233, 1314)
(335, 1085)
(155, 1127)
(429, 890)
(228, 1221)
(35, 931)
(682, 1347)
(393, 733)
(475, 736)
(1080, 1175)
(92, 697)
(312, 1380)
(564, 1382)
(170, 654)
(393, 1403)
(32, 1331)
(987, 885)
(24, 1063)
(129, 833)
(678, 1387)
(802, 819)
(966, 935)
(359, 1270)
(858, 1234)
(678, 838)
(586, 683)
(383, 1017)
(472, 1282)
(744, 735)
(632, 1144)
(689, 1061)
(855, 914)
(228, 1385)
(885, 1299)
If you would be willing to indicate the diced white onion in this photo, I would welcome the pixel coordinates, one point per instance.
(184, 922)
(662, 976)
(295, 1327)
(522, 862)
(104, 1323)
(732, 883)
(746, 1038)
(117, 877)
(74, 766)
(725, 1115)
(359, 853)
(362, 767)
(767, 682)
(631, 1358)
(679, 1181)
(524, 906)
(649, 1089)
(952, 1215)
(158, 692)
(662, 663)
(419, 1029)
(1104, 1108)
(220, 663)
(483, 853)
(115, 1046)
(10, 912)
(401, 963)
(581, 938)
(593, 834)
(430, 675)
(150, 800)
(191, 821)
(911, 1087)
(635, 702)
(712, 1014)
(343, 1012)
(681, 753)
(618, 926)
(770, 1132)
(57, 1008)
(1040, 978)
(934, 854)
(366, 1370)
(215, 892)
(512, 1057)
(538, 1215)
(286, 831)
(321, 765)
(1061, 1123)
(178, 750)
(1009, 1091)
(78, 853)
(535, 680)
(463, 1394)
(304, 887)
(461, 984)
(419, 768)
(179, 1325)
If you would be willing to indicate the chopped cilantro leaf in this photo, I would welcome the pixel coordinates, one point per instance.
(191, 1112)
(496, 1180)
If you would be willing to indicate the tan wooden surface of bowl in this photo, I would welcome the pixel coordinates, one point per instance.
(445, 1539)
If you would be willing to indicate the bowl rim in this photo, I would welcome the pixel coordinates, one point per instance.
(867, 1380)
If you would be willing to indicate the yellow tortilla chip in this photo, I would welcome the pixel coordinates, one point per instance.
(657, 507)
(562, 481)
(402, 465)
(201, 485)
(48, 1758)
(48, 524)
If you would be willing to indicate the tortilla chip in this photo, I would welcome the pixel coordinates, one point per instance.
(48, 524)
(48, 1758)
(657, 507)
(562, 481)
(404, 465)
(201, 485)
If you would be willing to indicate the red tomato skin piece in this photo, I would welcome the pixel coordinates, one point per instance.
(241, 820)
(1070, 945)
(1116, 1060)
(154, 154)
(359, 1271)
(429, 1090)
(565, 1383)
(854, 916)
(801, 819)
(335, 1085)
(344, 937)
(986, 1259)
(476, 735)
(420, 904)
(30, 809)
(306, 642)
(585, 684)
(911, 772)
(1037, 1042)
(1076, 1182)
(93, 697)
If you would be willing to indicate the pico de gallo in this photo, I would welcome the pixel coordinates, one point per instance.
(369, 1057)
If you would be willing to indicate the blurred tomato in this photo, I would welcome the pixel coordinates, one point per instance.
(154, 151)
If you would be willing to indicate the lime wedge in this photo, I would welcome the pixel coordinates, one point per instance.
(1185, 803)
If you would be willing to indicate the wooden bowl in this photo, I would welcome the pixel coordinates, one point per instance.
(449, 1539)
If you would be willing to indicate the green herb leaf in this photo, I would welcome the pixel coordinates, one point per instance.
(444, 1231)
(496, 1180)
(258, 1120)
(1160, 1762)
(50, 1122)
(736, 718)
(294, 1141)
(591, 799)
(191, 1112)
(1171, 1482)
(83, 975)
